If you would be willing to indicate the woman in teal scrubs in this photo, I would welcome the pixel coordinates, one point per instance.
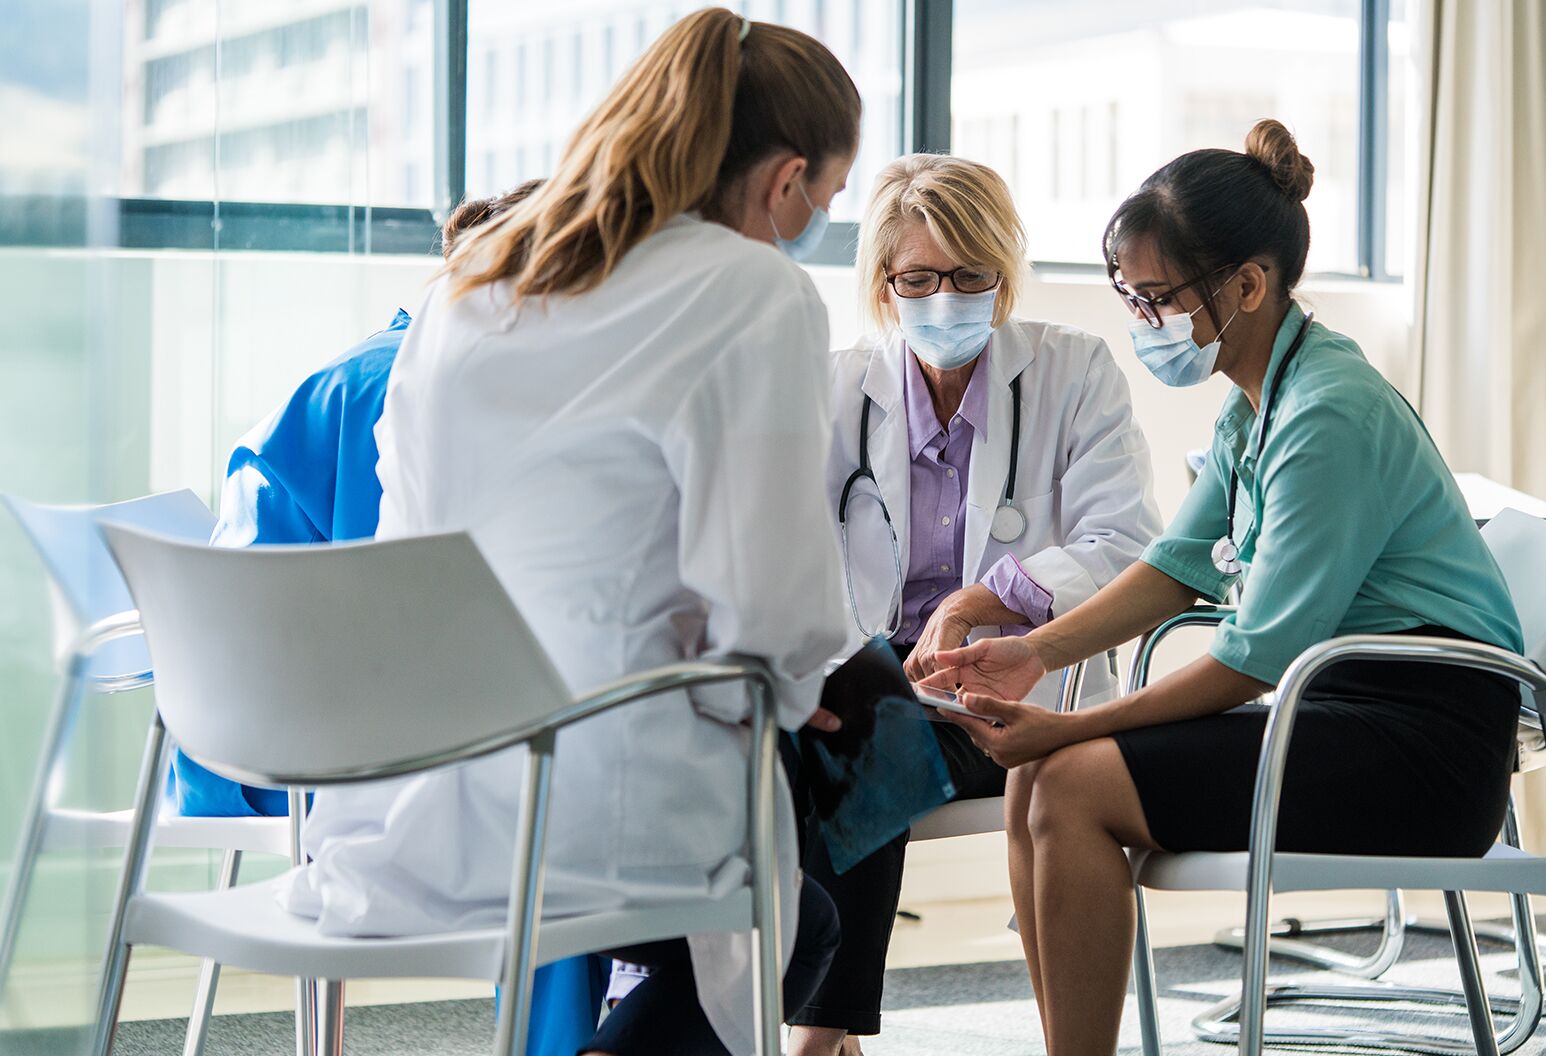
(1325, 499)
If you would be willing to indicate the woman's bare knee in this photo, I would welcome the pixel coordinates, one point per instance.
(1059, 796)
(1087, 785)
(1019, 789)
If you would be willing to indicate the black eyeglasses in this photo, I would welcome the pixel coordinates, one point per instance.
(1149, 304)
(923, 282)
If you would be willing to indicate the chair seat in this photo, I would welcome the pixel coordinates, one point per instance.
(964, 818)
(85, 828)
(245, 927)
(1503, 868)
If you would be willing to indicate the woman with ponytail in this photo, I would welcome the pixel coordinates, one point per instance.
(1325, 499)
(619, 388)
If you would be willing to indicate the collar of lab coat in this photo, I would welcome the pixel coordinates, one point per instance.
(1013, 352)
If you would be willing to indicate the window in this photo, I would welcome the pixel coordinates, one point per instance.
(1402, 117)
(603, 37)
(1077, 103)
(279, 101)
(334, 107)
(491, 80)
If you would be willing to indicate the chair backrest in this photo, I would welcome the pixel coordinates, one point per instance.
(308, 664)
(84, 581)
(1195, 460)
(1518, 544)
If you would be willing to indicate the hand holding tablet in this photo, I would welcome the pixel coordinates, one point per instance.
(940, 700)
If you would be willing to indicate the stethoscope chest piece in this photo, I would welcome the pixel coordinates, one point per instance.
(1008, 524)
(1226, 557)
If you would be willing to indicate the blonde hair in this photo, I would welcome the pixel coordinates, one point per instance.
(713, 96)
(967, 209)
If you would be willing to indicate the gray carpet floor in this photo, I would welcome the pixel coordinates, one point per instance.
(958, 1010)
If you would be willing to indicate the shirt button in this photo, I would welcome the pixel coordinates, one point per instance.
(944, 568)
(945, 521)
(950, 473)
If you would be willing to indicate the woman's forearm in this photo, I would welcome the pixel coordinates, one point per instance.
(1138, 600)
(1202, 687)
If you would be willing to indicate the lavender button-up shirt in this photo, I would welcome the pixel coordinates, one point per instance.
(941, 463)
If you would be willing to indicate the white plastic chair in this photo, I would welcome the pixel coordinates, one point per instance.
(1518, 543)
(85, 587)
(354, 640)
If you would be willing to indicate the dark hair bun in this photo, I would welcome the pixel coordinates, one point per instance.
(1273, 145)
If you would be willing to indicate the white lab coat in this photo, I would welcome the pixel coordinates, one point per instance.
(1083, 480)
(642, 467)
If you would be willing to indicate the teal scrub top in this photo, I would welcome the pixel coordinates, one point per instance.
(1348, 520)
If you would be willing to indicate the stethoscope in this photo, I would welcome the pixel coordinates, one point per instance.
(1226, 555)
(1008, 522)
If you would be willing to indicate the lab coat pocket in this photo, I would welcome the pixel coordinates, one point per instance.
(1041, 529)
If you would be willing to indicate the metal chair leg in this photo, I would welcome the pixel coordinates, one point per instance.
(1217, 1023)
(305, 989)
(526, 892)
(1253, 982)
(209, 971)
(306, 1017)
(30, 842)
(1479, 1011)
(330, 1018)
(131, 881)
(767, 933)
(1143, 982)
(1532, 993)
(1285, 941)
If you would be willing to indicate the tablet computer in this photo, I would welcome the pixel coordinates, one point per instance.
(874, 671)
(938, 700)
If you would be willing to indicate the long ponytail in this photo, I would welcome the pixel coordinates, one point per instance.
(704, 103)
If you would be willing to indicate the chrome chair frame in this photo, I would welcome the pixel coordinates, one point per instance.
(62, 720)
(527, 875)
(53, 531)
(1240, 1020)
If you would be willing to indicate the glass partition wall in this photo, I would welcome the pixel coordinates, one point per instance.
(126, 368)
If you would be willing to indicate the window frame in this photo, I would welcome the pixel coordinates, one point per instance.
(924, 124)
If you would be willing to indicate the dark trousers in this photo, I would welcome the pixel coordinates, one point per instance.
(662, 1014)
(866, 896)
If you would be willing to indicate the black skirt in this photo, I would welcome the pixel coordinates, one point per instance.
(1387, 757)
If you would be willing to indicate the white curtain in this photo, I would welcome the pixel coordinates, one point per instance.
(1480, 347)
(1480, 273)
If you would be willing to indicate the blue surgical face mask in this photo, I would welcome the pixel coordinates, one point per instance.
(804, 244)
(1170, 353)
(947, 330)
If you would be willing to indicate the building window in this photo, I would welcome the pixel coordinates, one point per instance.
(1119, 97)
(582, 55)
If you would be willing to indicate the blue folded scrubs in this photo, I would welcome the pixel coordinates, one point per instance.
(307, 474)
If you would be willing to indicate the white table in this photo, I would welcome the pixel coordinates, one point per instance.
(1486, 497)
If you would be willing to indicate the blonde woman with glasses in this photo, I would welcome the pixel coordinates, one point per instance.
(619, 388)
(988, 476)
